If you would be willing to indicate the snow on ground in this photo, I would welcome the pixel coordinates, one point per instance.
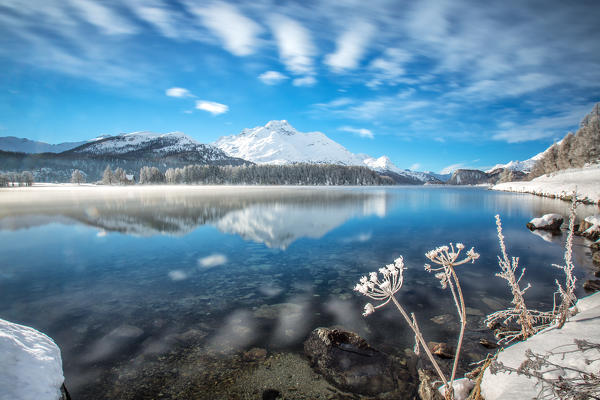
(545, 220)
(559, 345)
(31, 364)
(561, 184)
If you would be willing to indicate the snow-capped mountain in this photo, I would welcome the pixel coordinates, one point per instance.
(22, 145)
(151, 145)
(279, 143)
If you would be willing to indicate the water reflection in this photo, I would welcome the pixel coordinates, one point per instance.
(276, 218)
(194, 273)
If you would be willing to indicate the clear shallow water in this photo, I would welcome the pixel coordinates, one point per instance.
(130, 279)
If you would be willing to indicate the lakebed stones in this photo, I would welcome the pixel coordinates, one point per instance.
(547, 222)
(346, 360)
(441, 349)
(592, 285)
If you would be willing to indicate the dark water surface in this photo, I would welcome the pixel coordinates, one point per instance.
(131, 283)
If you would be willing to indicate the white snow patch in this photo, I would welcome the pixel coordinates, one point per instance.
(462, 388)
(558, 344)
(31, 364)
(545, 220)
(586, 181)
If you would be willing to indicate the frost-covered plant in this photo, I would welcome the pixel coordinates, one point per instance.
(529, 321)
(392, 278)
(533, 321)
(567, 293)
(558, 380)
(448, 258)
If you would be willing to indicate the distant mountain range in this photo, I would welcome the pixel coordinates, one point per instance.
(276, 143)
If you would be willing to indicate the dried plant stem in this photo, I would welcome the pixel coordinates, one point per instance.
(567, 294)
(412, 323)
(462, 312)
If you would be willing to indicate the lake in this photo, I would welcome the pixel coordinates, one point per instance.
(161, 292)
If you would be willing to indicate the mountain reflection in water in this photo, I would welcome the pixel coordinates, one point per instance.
(276, 218)
(134, 283)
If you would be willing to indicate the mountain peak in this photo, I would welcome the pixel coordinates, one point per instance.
(280, 126)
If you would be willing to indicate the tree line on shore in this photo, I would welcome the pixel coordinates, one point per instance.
(293, 174)
(24, 178)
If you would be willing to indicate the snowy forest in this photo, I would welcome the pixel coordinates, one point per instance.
(295, 174)
(574, 150)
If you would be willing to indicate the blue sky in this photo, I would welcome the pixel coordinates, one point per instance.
(431, 84)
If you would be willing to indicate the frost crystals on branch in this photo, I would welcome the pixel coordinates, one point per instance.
(567, 293)
(447, 257)
(384, 289)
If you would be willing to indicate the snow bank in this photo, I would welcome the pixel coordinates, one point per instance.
(561, 184)
(559, 343)
(546, 221)
(31, 364)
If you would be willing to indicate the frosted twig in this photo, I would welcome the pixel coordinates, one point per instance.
(447, 257)
(567, 293)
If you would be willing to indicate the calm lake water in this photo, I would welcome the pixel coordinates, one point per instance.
(154, 293)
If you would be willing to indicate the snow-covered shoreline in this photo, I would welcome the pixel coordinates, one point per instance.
(560, 348)
(561, 184)
(31, 364)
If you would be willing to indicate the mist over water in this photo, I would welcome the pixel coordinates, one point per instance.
(120, 278)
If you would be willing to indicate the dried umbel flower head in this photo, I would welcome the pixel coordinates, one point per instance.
(447, 257)
(381, 289)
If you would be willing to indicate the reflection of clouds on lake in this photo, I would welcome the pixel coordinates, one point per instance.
(360, 238)
(347, 315)
(214, 260)
(177, 275)
(102, 233)
(293, 321)
(270, 290)
(113, 343)
(237, 332)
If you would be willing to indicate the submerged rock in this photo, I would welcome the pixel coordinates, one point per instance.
(442, 350)
(592, 285)
(346, 360)
(548, 222)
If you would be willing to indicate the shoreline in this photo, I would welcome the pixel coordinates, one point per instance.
(560, 185)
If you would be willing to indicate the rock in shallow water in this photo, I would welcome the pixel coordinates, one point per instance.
(548, 222)
(346, 360)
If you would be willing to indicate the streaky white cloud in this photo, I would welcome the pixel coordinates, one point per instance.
(272, 77)
(157, 14)
(554, 126)
(362, 132)
(104, 18)
(296, 49)
(451, 168)
(350, 47)
(389, 68)
(214, 260)
(415, 167)
(212, 107)
(305, 81)
(178, 92)
(238, 33)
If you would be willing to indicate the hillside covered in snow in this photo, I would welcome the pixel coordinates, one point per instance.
(279, 143)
